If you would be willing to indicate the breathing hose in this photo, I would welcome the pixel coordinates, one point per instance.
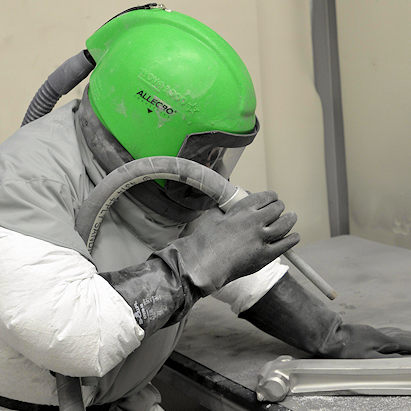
(92, 211)
(60, 82)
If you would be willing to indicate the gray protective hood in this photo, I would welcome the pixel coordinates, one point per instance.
(110, 154)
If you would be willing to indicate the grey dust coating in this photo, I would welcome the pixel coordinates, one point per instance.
(370, 279)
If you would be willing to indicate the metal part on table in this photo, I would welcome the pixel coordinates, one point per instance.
(386, 376)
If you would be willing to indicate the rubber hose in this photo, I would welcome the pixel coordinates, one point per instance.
(60, 82)
(179, 169)
(92, 211)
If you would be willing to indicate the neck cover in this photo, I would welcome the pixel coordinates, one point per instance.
(110, 154)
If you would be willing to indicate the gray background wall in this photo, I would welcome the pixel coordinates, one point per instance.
(375, 57)
(273, 38)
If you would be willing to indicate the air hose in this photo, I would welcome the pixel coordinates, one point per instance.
(58, 83)
(178, 169)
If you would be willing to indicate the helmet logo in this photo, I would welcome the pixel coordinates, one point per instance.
(158, 105)
(185, 100)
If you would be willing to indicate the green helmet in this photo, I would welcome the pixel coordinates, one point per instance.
(161, 75)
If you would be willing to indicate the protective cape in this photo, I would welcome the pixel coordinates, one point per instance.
(46, 173)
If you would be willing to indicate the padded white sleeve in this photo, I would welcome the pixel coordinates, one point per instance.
(58, 312)
(243, 293)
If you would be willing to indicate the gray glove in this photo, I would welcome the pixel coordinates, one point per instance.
(292, 314)
(228, 246)
(221, 248)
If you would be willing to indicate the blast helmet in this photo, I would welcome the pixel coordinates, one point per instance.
(166, 84)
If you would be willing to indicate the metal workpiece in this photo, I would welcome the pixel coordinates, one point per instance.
(286, 375)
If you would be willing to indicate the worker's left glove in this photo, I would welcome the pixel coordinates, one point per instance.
(295, 316)
(363, 341)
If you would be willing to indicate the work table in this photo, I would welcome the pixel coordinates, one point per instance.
(221, 354)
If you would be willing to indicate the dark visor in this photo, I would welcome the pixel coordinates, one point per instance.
(217, 150)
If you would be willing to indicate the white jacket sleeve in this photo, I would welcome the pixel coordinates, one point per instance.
(244, 292)
(58, 312)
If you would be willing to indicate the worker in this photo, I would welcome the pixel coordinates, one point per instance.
(162, 82)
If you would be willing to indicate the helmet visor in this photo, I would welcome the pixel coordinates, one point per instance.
(217, 150)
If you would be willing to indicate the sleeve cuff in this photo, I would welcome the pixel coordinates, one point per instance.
(244, 292)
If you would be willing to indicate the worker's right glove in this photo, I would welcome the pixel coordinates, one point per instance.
(224, 247)
(294, 315)
(221, 248)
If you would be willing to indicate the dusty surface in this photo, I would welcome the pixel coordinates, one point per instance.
(373, 285)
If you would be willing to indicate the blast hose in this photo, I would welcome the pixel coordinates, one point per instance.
(178, 169)
(105, 194)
